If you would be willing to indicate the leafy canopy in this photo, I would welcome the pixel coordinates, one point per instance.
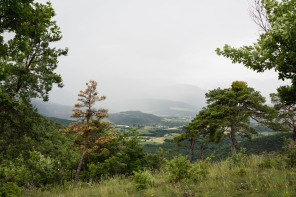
(28, 58)
(232, 108)
(275, 48)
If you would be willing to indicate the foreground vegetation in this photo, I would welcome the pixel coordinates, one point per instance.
(241, 175)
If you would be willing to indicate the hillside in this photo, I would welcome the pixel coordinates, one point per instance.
(160, 107)
(64, 122)
(132, 118)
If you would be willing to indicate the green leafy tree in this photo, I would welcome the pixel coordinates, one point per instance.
(90, 134)
(232, 108)
(198, 130)
(286, 114)
(31, 58)
(27, 60)
(276, 46)
(14, 15)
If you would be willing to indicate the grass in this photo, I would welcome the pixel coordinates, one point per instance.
(243, 176)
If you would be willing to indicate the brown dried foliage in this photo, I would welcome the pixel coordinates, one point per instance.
(94, 134)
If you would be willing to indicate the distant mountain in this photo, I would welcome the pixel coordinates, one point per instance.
(49, 109)
(160, 107)
(151, 106)
(175, 100)
(134, 118)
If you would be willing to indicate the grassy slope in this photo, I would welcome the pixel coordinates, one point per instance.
(225, 178)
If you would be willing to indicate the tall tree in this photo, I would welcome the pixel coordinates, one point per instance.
(28, 59)
(200, 130)
(27, 64)
(286, 114)
(192, 135)
(90, 134)
(233, 107)
(276, 46)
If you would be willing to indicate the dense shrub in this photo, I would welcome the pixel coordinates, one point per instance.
(238, 159)
(290, 153)
(111, 166)
(35, 171)
(178, 168)
(128, 158)
(153, 161)
(238, 172)
(280, 161)
(9, 190)
(143, 180)
(199, 171)
(267, 162)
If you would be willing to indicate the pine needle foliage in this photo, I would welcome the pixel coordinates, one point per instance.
(91, 133)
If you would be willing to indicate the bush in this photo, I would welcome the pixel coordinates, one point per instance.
(279, 162)
(290, 153)
(199, 171)
(143, 179)
(267, 162)
(152, 161)
(37, 170)
(238, 159)
(9, 189)
(239, 172)
(178, 168)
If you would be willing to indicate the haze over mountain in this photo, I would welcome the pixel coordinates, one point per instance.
(135, 55)
(50, 109)
(173, 100)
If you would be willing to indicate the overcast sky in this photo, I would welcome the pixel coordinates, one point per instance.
(143, 44)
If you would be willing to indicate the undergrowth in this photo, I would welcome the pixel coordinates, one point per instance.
(241, 175)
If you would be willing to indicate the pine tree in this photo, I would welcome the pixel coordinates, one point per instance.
(91, 134)
(232, 108)
(286, 113)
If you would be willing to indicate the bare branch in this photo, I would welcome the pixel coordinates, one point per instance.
(259, 15)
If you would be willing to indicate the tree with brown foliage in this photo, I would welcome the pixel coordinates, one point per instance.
(91, 132)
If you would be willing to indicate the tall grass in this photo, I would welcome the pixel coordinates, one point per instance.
(240, 176)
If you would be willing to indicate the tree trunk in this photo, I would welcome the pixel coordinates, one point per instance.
(233, 139)
(202, 152)
(79, 167)
(192, 148)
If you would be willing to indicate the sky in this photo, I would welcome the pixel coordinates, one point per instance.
(134, 46)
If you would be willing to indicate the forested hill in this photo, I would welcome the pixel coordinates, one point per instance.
(134, 118)
(64, 122)
(161, 107)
